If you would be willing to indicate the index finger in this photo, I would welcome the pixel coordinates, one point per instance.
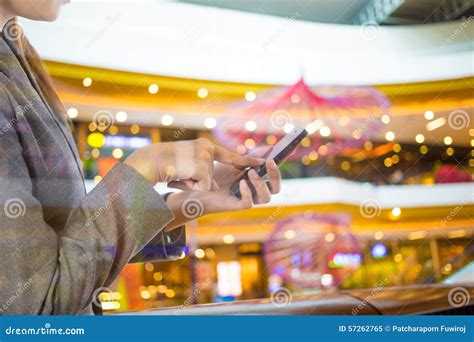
(225, 156)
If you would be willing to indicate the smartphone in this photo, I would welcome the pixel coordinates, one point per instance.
(279, 152)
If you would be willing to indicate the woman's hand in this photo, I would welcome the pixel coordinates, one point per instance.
(187, 163)
(188, 205)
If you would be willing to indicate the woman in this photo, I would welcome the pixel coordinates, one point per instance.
(60, 245)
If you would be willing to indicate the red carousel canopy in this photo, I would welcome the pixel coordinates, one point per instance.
(339, 117)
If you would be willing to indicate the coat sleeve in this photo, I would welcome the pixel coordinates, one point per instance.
(164, 246)
(48, 272)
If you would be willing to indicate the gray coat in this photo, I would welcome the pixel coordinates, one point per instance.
(59, 245)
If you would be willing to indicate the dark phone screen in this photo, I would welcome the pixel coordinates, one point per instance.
(279, 152)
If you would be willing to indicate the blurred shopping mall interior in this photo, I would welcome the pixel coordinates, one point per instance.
(379, 194)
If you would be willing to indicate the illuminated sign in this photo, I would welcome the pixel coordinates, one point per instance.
(123, 141)
(345, 260)
(229, 279)
(378, 250)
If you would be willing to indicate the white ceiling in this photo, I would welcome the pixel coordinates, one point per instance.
(201, 42)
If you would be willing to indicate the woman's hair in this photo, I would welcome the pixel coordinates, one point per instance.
(42, 77)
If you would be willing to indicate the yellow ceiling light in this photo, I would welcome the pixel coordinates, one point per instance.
(228, 239)
(199, 253)
(249, 143)
(378, 235)
(250, 96)
(325, 131)
(117, 153)
(202, 93)
(388, 162)
(290, 234)
(420, 138)
(210, 123)
(344, 121)
(167, 120)
(250, 125)
(72, 112)
(429, 115)
(153, 88)
(395, 213)
(87, 82)
(389, 136)
(113, 130)
(435, 124)
(134, 129)
(345, 165)
(121, 116)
